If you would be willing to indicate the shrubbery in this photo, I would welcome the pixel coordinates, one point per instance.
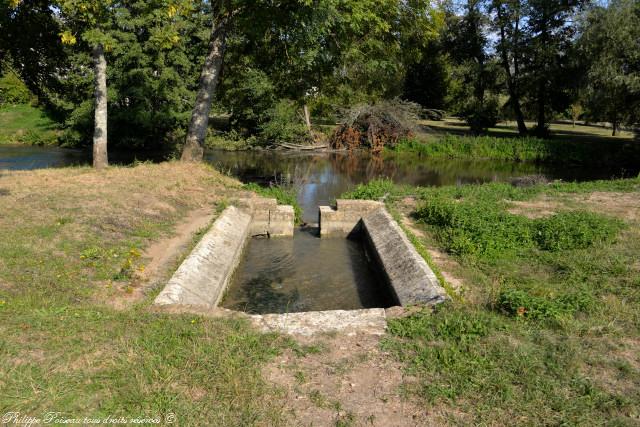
(13, 90)
(482, 229)
(284, 124)
(480, 116)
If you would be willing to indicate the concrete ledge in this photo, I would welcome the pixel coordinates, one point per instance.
(345, 217)
(369, 321)
(405, 271)
(204, 275)
(269, 218)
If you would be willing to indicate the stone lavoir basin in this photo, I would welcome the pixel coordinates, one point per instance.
(341, 275)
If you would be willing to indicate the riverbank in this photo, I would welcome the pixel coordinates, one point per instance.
(545, 328)
(25, 124)
(77, 335)
(597, 152)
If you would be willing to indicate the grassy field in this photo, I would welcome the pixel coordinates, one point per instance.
(559, 131)
(24, 124)
(76, 332)
(546, 329)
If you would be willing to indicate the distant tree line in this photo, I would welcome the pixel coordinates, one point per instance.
(149, 73)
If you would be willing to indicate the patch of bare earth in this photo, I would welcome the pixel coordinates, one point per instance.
(533, 209)
(445, 263)
(350, 381)
(622, 205)
(161, 256)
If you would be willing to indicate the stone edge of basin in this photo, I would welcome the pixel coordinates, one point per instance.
(202, 278)
(204, 275)
(406, 272)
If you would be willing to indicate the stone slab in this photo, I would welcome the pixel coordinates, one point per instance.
(369, 321)
(204, 275)
(406, 272)
(344, 218)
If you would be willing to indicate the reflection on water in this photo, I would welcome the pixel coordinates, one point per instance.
(305, 273)
(27, 157)
(321, 177)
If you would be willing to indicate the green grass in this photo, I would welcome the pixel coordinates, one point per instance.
(527, 149)
(549, 329)
(24, 124)
(73, 336)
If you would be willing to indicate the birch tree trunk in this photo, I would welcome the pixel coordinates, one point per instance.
(100, 159)
(193, 150)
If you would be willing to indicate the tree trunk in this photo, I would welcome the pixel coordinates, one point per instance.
(307, 118)
(511, 83)
(542, 120)
(100, 159)
(194, 146)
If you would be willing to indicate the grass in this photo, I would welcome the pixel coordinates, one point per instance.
(527, 149)
(25, 124)
(73, 338)
(558, 131)
(548, 331)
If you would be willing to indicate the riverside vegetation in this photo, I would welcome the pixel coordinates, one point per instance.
(547, 326)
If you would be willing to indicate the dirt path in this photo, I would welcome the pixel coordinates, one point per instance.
(162, 255)
(347, 381)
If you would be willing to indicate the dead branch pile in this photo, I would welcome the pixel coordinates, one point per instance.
(375, 126)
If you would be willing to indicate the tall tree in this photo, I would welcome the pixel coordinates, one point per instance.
(610, 44)
(508, 22)
(194, 145)
(550, 34)
(94, 21)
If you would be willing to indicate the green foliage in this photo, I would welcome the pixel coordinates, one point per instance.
(575, 230)
(480, 226)
(521, 303)
(373, 190)
(609, 47)
(480, 116)
(284, 196)
(284, 124)
(526, 149)
(13, 90)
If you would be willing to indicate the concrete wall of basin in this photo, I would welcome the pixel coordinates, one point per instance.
(204, 275)
(407, 274)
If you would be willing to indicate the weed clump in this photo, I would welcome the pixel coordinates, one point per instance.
(484, 229)
(520, 303)
(575, 230)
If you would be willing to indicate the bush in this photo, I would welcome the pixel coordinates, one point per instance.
(13, 90)
(284, 125)
(376, 126)
(476, 228)
(480, 116)
(575, 230)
